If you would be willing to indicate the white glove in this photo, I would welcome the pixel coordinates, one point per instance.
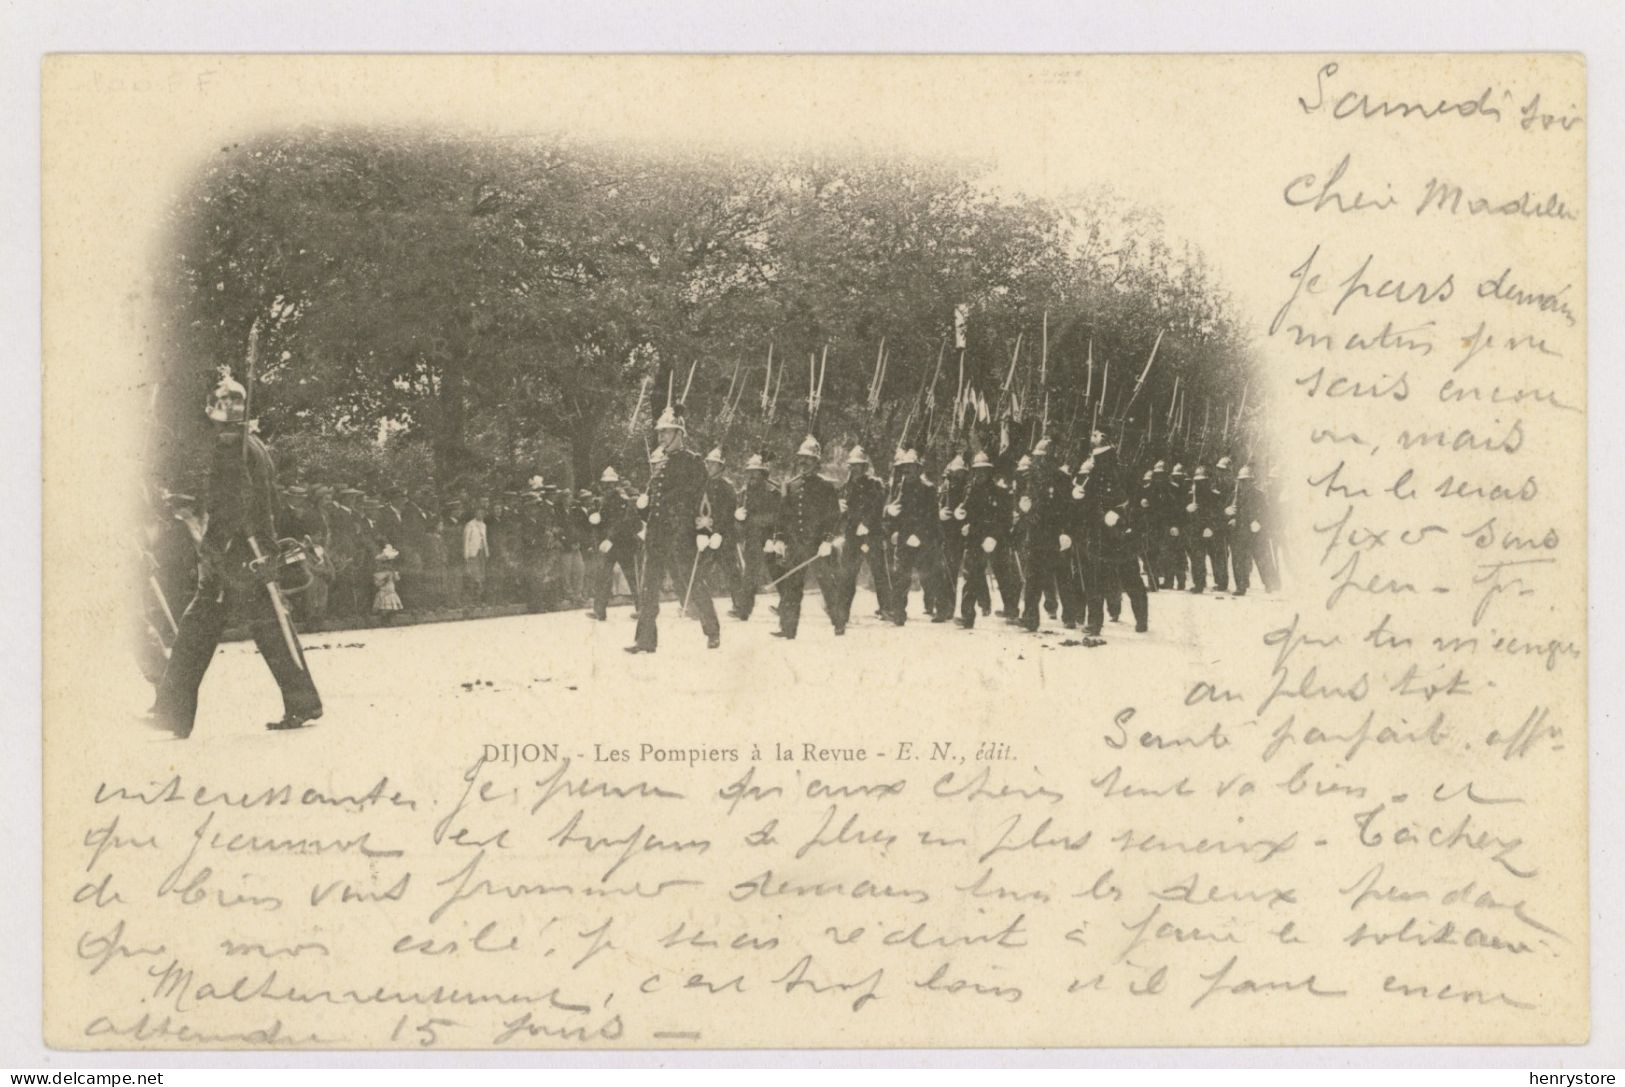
(1191, 508)
(1230, 511)
(988, 544)
(838, 543)
(1112, 518)
(767, 547)
(702, 542)
(1077, 491)
(740, 514)
(715, 541)
(842, 502)
(1066, 542)
(1025, 504)
(863, 530)
(943, 514)
(703, 521)
(1256, 527)
(914, 541)
(864, 548)
(1207, 533)
(643, 501)
(605, 546)
(643, 533)
(894, 539)
(779, 548)
(824, 550)
(1173, 531)
(964, 530)
(1145, 503)
(959, 513)
(895, 509)
(595, 518)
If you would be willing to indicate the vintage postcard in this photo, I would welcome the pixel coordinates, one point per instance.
(783, 551)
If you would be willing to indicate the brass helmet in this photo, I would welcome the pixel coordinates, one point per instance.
(228, 402)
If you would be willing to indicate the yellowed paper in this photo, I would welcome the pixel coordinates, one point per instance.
(1349, 812)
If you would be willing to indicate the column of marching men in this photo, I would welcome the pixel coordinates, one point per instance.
(1047, 536)
(1051, 539)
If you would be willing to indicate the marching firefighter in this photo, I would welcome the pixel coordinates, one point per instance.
(978, 519)
(1204, 533)
(615, 527)
(237, 575)
(1044, 543)
(1249, 539)
(677, 517)
(911, 526)
(950, 497)
(1174, 542)
(755, 515)
(809, 520)
(724, 561)
(1115, 527)
(863, 512)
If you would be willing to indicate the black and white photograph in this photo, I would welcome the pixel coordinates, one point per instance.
(679, 553)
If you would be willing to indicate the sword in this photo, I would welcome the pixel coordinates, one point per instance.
(796, 569)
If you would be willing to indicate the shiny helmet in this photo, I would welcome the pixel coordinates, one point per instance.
(228, 401)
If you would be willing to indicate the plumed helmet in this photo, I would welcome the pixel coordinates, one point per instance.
(228, 402)
(670, 419)
(1201, 472)
(857, 456)
(715, 456)
(905, 456)
(1246, 472)
(981, 460)
(1224, 464)
(810, 448)
(1160, 466)
(1147, 477)
(535, 484)
(1042, 448)
(755, 463)
(1066, 469)
(1025, 464)
(610, 475)
(956, 465)
(1179, 469)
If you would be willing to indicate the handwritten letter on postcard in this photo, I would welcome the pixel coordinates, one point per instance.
(1228, 690)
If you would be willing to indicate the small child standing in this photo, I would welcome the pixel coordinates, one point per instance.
(387, 600)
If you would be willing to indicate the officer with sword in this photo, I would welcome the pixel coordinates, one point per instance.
(241, 559)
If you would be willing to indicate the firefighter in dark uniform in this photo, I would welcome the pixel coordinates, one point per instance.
(1113, 535)
(1146, 497)
(756, 516)
(977, 518)
(723, 558)
(1249, 542)
(1176, 554)
(1044, 543)
(911, 526)
(233, 576)
(950, 497)
(1204, 531)
(676, 511)
(863, 516)
(808, 537)
(615, 527)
